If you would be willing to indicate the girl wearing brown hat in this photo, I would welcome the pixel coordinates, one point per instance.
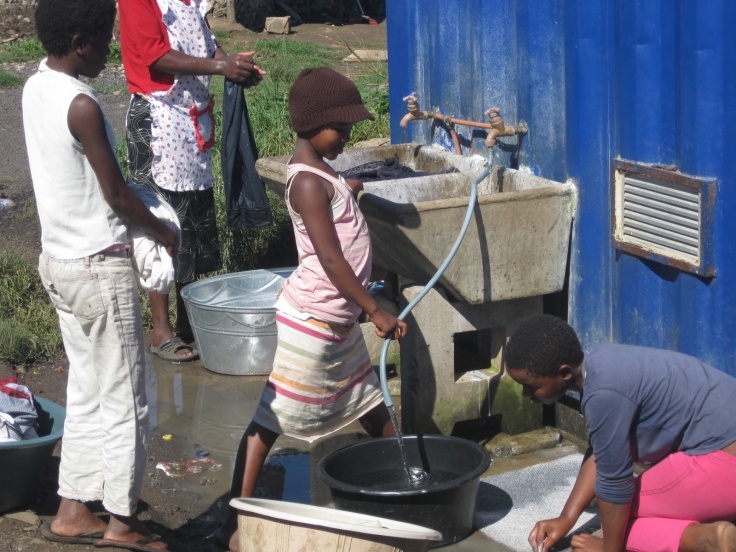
(322, 377)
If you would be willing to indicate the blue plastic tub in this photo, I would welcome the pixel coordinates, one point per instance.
(22, 461)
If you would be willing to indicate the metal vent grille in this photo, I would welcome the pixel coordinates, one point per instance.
(661, 217)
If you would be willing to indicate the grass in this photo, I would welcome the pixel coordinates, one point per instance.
(28, 323)
(30, 49)
(29, 327)
(9, 81)
(20, 51)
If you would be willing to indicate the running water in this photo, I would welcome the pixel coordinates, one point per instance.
(415, 476)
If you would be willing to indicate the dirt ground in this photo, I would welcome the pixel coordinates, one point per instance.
(184, 521)
(16, 21)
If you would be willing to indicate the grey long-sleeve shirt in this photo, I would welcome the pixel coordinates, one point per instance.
(642, 404)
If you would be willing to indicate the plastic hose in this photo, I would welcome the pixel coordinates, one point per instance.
(437, 275)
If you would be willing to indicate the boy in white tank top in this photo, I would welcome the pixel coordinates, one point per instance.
(85, 207)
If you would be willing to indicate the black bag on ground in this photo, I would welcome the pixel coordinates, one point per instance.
(246, 202)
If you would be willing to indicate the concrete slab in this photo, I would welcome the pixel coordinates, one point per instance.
(367, 55)
(510, 503)
(524, 443)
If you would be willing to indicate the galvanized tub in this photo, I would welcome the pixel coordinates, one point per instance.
(234, 320)
(516, 245)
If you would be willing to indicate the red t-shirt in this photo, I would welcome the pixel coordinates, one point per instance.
(143, 40)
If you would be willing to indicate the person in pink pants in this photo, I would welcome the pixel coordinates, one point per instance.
(666, 411)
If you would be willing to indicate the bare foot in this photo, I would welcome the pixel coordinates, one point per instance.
(709, 537)
(162, 331)
(75, 518)
(224, 533)
(181, 349)
(234, 544)
(725, 536)
(586, 543)
(130, 529)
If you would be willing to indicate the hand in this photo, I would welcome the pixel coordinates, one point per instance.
(170, 242)
(240, 68)
(387, 325)
(586, 543)
(547, 532)
(255, 77)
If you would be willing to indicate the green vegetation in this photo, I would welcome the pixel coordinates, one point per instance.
(114, 57)
(28, 323)
(20, 51)
(9, 81)
(29, 327)
(30, 49)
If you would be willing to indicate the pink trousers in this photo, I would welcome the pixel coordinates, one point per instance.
(678, 491)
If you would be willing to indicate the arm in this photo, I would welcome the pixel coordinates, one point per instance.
(87, 125)
(547, 532)
(614, 520)
(310, 199)
(236, 67)
(355, 185)
(144, 33)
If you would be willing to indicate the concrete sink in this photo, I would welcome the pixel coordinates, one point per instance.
(517, 242)
(420, 158)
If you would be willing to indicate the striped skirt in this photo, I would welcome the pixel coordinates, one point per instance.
(322, 379)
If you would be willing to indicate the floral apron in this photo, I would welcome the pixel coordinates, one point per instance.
(182, 122)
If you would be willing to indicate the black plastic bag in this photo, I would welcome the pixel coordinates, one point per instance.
(246, 202)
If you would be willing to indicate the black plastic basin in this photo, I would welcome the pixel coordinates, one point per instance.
(369, 478)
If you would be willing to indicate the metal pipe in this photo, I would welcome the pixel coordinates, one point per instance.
(495, 126)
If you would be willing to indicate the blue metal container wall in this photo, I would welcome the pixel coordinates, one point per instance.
(648, 81)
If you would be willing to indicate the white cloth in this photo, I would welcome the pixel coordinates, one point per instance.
(103, 453)
(10, 430)
(76, 221)
(17, 411)
(151, 262)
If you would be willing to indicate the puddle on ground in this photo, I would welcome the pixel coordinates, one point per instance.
(205, 411)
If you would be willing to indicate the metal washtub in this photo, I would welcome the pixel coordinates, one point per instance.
(234, 320)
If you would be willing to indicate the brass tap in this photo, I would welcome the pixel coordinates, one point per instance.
(498, 128)
(412, 106)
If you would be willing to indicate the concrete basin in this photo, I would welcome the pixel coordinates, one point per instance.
(517, 242)
(420, 158)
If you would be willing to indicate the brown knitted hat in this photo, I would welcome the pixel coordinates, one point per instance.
(321, 96)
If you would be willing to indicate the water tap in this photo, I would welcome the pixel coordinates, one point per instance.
(499, 128)
(412, 106)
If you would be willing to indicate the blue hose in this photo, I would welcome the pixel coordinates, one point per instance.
(468, 216)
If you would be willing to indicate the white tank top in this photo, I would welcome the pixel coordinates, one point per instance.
(76, 221)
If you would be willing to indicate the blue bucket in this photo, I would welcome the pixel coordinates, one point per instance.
(22, 461)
